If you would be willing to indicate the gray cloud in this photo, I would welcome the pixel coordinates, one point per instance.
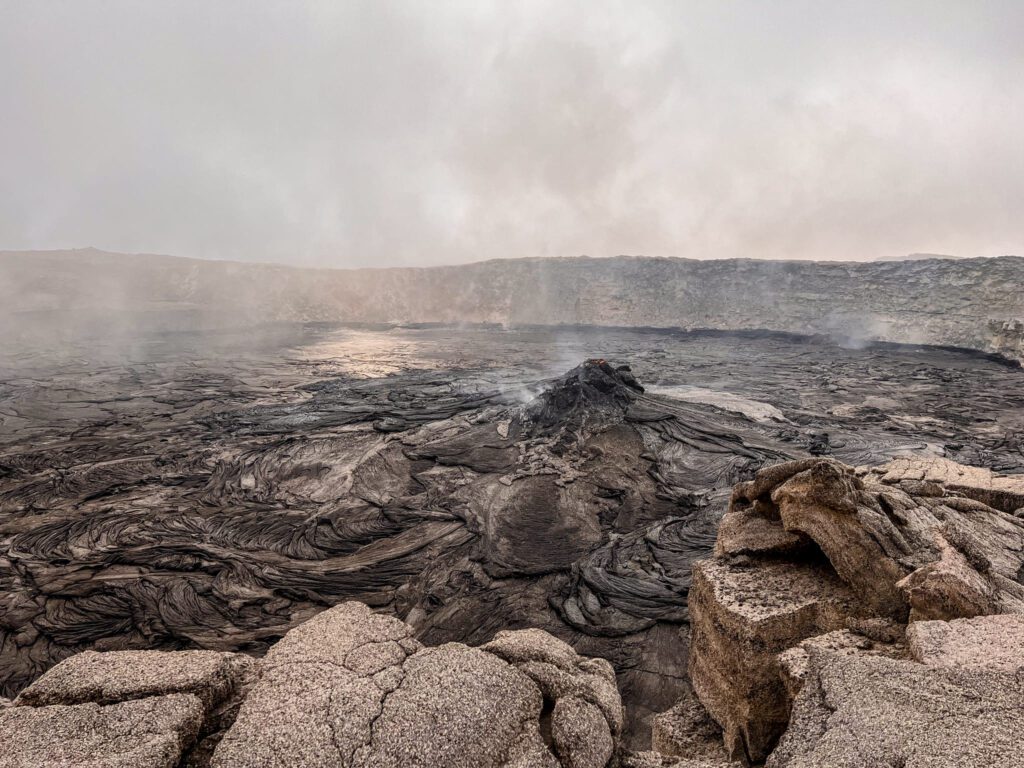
(391, 133)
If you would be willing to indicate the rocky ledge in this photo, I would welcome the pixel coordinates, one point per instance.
(868, 617)
(347, 688)
(849, 617)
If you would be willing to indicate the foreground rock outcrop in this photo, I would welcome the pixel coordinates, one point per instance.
(873, 611)
(870, 711)
(347, 688)
(126, 708)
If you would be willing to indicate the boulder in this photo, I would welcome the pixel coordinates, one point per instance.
(106, 678)
(352, 688)
(154, 732)
(905, 543)
(559, 672)
(687, 731)
(883, 713)
(742, 616)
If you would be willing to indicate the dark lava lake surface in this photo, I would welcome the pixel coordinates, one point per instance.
(213, 490)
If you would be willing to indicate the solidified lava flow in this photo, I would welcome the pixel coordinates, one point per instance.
(465, 481)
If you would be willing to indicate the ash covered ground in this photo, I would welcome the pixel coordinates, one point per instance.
(214, 490)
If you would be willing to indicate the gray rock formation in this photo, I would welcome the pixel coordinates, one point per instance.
(347, 688)
(974, 303)
(351, 688)
(884, 713)
(145, 733)
(130, 708)
(819, 568)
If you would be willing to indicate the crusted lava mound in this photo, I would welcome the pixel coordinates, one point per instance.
(591, 390)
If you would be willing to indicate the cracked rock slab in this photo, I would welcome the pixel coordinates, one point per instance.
(989, 642)
(144, 733)
(317, 697)
(351, 688)
(106, 678)
(457, 707)
(858, 711)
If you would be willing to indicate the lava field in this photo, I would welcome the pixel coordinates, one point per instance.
(215, 490)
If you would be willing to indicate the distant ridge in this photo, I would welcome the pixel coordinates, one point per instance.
(970, 302)
(916, 257)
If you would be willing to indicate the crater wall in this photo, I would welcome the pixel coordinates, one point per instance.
(973, 303)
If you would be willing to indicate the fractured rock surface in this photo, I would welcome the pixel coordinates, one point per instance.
(914, 541)
(352, 688)
(83, 711)
(145, 733)
(860, 711)
(104, 678)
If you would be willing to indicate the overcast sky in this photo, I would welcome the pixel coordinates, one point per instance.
(396, 133)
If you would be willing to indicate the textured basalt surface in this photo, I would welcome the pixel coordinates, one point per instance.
(875, 612)
(213, 492)
(347, 689)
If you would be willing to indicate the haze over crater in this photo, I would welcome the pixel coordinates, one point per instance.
(369, 134)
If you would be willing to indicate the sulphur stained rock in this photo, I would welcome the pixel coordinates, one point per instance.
(883, 713)
(351, 688)
(742, 616)
(153, 732)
